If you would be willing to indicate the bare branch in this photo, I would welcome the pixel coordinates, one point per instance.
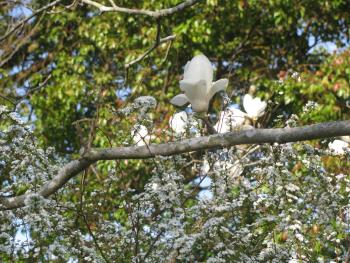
(22, 42)
(255, 136)
(22, 22)
(162, 40)
(155, 14)
(157, 42)
(8, 99)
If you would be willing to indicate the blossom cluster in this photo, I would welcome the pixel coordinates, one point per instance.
(199, 90)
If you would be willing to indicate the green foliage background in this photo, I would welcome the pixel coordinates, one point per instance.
(249, 41)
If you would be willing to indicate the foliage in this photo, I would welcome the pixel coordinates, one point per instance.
(69, 83)
(271, 202)
(84, 52)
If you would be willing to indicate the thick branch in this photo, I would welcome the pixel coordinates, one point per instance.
(67, 172)
(254, 136)
(155, 14)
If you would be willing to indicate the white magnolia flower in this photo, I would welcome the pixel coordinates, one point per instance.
(345, 138)
(337, 146)
(178, 122)
(229, 119)
(198, 84)
(253, 106)
(140, 135)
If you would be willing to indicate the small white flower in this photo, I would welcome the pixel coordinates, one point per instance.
(229, 119)
(205, 167)
(178, 122)
(254, 106)
(337, 146)
(140, 135)
(299, 237)
(198, 84)
(154, 186)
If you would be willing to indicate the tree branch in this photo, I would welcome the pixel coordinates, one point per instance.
(255, 136)
(25, 20)
(156, 44)
(21, 43)
(155, 14)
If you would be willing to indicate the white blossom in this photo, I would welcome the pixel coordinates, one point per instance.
(229, 120)
(198, 85)
(178, 122)
(253, 106)
(345, 138)
(140, 135)
(338, 146)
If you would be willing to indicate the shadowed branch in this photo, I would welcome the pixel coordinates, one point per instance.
(254, 136)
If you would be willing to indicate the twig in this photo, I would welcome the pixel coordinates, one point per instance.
(196, 188)
(155, 14)
(42, 84)
(346, 260)
(113, 4)
(162, 40)
(210, 128)
(81, 208)
(22, 22)
(94, 238)
(22, 42)
(167, 52)
(8, 99)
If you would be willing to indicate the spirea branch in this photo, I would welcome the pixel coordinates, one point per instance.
(254, 136)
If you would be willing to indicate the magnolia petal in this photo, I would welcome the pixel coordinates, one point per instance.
(217, 86)
(247, 102)
(199, 68)
(254, 107)
(186, 67)
(229, 120)
(258, 107)
(187, 84)
(140, 135)
(237, 116)
(179, 100)
(345, 138)
(196, 94)
(262, 108)
(223, 124)
(178, 122)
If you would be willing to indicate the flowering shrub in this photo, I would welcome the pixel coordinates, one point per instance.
(243, 204)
